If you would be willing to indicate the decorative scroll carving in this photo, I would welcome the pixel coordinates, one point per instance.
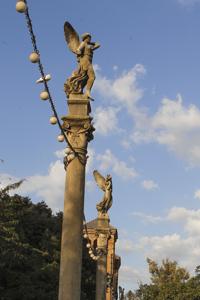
(79, 135)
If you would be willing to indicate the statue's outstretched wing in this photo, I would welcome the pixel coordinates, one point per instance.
(100, 180)
(71, 37)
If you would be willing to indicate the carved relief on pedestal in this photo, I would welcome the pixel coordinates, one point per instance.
(102, 240)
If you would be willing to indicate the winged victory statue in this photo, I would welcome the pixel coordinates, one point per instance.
(84, 75)
(105, 184)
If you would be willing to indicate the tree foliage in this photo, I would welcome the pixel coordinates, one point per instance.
(30, 251)
(168, 282)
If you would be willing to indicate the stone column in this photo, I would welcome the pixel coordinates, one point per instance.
(103, 233)
(101, 273)
(78, 128)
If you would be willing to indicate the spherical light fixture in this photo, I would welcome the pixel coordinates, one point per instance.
(34, 57)
(60, 138)
(21, 7)
(44, 95)
(53, 120)
(68, 150)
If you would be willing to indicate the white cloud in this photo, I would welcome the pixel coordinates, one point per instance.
(182, 214)
(167, 246)
(106, 121)
(193, 226)
(124, 245)
(108, 161)
(173, 115)
(188, 2)
(183, 247)
(130, 274)
(49, 187)
(147, 218)
(90, 185)
(197, 194)
(149, 185)
(60, 153)
(126, 143)
(124, 89)
(184, 250)
(90, 160)
(115, 68)
(6, 179)
(190, 218)
(174, 125)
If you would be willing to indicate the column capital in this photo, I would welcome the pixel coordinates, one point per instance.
(78, 128)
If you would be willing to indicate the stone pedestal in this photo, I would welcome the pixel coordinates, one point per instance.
(109, 263)
(78, 128)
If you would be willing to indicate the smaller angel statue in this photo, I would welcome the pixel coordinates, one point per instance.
(84, 76)
(106, 185)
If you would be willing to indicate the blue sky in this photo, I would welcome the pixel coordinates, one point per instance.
(146, 114)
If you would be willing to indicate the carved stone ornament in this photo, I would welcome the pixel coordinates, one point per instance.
(78, 134)
(109, 280)
(102, 240)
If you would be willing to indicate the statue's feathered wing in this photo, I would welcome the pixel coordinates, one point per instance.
(71, 37)
(100, 180)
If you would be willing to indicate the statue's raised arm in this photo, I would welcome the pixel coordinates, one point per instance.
(84, 76)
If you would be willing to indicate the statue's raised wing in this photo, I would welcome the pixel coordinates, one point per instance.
(100, 180)
(71, 37)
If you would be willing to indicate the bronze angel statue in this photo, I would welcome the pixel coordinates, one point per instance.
(84, 76)
(106, 185)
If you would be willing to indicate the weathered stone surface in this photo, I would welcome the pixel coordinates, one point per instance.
(78, 129)
(104, 235)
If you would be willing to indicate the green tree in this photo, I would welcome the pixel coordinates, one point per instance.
(169, 282)
(30, 250)
(130, 296)
(193, 285)
(88, 283)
